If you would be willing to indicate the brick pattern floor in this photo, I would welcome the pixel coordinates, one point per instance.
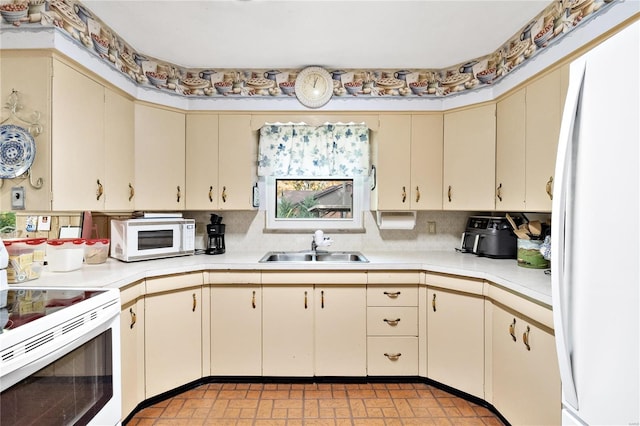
(257, 404)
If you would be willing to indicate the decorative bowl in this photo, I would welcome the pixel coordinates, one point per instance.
(353, 87)
(487, 76)
(419, 87)
(288, 87)
(157, 79)
(100, 44)
(543, 36)
(223, 87)
(14, 12)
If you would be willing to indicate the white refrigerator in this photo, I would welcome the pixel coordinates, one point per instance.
(595, 236)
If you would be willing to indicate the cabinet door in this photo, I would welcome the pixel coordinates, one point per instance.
(119, 152)
(469, 159)
(237, 168)
(202, 162)
(132, 353)
(510, 152)
(393, 167)
(426, 162)
(173, 339)
(159, 158)
(455, 340)
(236, 330)
(340, 331)
(78, 167)
(545, 101)
(526, 381)
(287, 330)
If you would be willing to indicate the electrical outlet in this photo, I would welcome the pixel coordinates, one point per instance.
(17, 198)
(431, 227)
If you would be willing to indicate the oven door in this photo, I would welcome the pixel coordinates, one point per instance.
(76, 384)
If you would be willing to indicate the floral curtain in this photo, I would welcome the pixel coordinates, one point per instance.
(299, 150)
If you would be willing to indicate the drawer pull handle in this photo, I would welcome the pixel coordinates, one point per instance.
(211, 194)
(433, 303)
(392, 323)
(417, 194)
(178, 194)
(195, 303)
(449, 193)
(253, 300)
(305, 300)
(393, 295)
(133, 318)
(99, 191)
(131, 192)
(393, 357)
(322, 299)
(549, 188)
(224, 194)
(499, 192)
(525, 338)
(512, 330)
(404, 194)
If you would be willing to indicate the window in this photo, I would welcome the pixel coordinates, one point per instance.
(314, 177)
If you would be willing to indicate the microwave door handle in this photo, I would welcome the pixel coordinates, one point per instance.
(464, 235)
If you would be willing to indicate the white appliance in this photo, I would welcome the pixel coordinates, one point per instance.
(59, 355)
(595, 273)
(146, 238)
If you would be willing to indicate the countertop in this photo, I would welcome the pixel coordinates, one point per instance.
(533, 284)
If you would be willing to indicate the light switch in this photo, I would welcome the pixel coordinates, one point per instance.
(17, 198)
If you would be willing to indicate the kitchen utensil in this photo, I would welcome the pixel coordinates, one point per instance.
(535, 228)
(522, 234)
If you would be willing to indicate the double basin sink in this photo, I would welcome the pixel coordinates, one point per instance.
(311, 256)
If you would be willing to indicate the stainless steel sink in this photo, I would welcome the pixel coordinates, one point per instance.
(321, 256)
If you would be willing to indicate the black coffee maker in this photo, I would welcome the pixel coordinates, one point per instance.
(215, 230)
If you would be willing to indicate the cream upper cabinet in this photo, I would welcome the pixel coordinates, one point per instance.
(455, 336)
(77, 158)
(201, 170)
(159, 158)
(173, 333)
(132, 347)
(236, 329)
(237, 166)
(287, 330)
(469, 158)
(340, 330)
(511, 152)
(544, 105)
(408, 161)
(118, 152)
(525, 377)
(30, 75)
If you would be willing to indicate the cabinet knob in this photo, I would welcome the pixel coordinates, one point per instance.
(392, 323)
(499, 192)
(512, 330)
(417, 194)
(525, 338)
(133, 318)
(99, 191)
(131, 192)
(549, 188)
(211, 194)
(393, 357)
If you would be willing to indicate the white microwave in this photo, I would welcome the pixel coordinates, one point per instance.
(144, 239)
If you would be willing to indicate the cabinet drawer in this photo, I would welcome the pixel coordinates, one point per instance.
(392, 356)
(392, 321)
(397, 295)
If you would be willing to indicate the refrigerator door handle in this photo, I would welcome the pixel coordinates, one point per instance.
(561, 231)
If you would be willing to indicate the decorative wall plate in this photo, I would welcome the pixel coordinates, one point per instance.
(17, 151)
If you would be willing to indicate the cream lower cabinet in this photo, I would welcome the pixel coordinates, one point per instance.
(173, 332)
(340, 330)
(455, 333)
(236, 324)
(132, 346)
(287, 330)
(525, 377)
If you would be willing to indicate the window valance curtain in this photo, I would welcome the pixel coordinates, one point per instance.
(300, 150)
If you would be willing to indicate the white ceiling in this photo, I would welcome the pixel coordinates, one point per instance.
(383, 34)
